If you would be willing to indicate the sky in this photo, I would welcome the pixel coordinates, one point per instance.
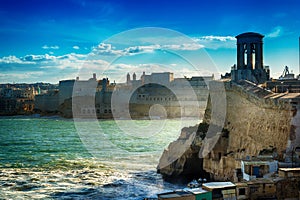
(48, 41)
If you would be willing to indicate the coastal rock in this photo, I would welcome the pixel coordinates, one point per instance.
(180, 159)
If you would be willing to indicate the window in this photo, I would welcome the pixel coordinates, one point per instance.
(242, 191)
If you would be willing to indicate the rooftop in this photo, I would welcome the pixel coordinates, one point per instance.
(196, 190)
(249, 34)
(297, 169)
(218, 185)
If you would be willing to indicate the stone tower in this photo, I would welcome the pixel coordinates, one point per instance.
(250, 59)
(134, 76)
(128, 79)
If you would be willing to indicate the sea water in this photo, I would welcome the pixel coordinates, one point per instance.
(56, 158)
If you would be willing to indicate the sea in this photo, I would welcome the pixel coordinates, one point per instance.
(57, 158)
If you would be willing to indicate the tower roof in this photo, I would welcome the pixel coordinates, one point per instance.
(249, 34)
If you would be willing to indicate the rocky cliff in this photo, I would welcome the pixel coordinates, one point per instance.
(256, 122)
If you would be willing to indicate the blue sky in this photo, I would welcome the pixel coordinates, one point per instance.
(46, 41)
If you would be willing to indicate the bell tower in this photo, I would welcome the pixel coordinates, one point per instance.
(250, 59)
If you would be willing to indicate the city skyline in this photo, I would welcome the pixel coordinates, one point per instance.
(47, 42)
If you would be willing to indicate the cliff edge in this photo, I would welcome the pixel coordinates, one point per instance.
(256, 122)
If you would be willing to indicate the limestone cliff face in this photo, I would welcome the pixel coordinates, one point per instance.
(181, 157)
(256, 121)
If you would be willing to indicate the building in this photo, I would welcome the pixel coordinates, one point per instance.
(221, 190)
(47, 102)
(15, 100)
(187, 194)
(200, 194)
(90, 99)
(285, 83)
(253, 169)
(84, 98)
(289, 172)
(176, 195)
(180, 97)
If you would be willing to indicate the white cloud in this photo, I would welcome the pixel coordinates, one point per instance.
(108, 50)
(98, 61)
(76, 47)
(216, 38)
(141, 49)
(38, 58)
(47, 67)
(276, 32)
(50, 47)
(105, 50)
(216, 42)
(10, 59)
(184, 47)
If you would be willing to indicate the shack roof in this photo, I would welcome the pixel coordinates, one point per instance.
(295, 169)
(174, 194)
(218, 185)
(196, 190)
(259, 162)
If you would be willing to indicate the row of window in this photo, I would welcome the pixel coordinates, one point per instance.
(92, 111)
(157, 98)
(166, 98)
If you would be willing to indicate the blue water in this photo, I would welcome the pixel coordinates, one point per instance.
(56, 158)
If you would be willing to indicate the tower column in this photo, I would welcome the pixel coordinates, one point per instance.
(240, 56)
(258, 56)
(249, 56)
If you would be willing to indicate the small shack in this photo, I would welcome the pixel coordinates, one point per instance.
(200, 194)
(221, 190)
(176, 195)
(253, 169)
(289, 172)
(242, 191)
(261, 189)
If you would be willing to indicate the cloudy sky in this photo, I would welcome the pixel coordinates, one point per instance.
(47, 41)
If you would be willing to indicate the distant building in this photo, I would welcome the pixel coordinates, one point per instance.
(185, 97)
(89, 97)
(285, 83)
(14, 100)
(48, 102)
(94, 98)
